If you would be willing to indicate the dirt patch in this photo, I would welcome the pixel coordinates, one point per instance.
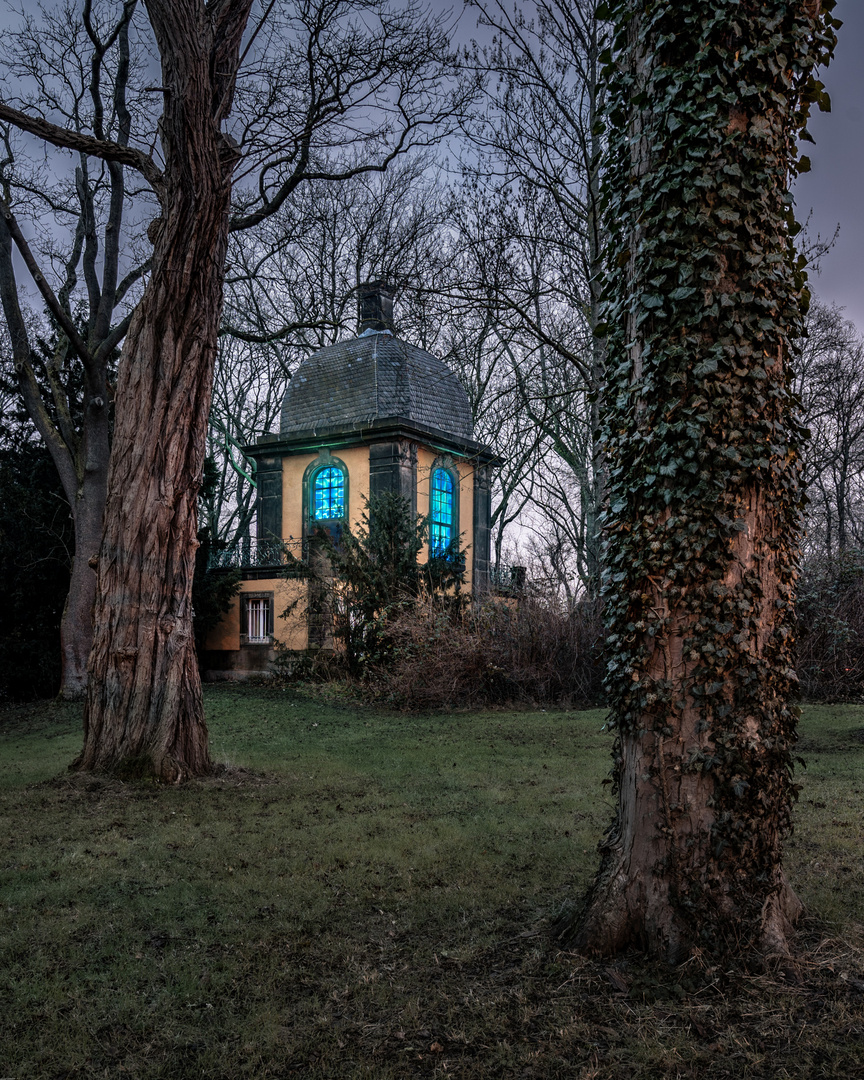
(236, 776)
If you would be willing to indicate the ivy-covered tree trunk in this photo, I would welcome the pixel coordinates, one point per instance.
(703, 294)
(144, 710)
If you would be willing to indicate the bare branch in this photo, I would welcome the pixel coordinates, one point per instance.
(86, 144)
(54, 306)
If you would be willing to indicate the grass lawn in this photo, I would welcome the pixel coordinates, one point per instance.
(368, 895)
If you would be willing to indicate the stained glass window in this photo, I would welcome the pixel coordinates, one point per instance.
(328, 494)
(441, 526)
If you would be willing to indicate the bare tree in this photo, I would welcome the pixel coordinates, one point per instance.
(830, 385)
(536, 246)
(78, 70)
(291, 288)
(312, 119)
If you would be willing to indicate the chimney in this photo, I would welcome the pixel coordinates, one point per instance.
(375, 306)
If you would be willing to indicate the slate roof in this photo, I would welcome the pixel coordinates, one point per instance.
(372, 377)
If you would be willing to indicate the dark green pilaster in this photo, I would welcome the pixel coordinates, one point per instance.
(393, 467)
(481, 549)
(269, 477)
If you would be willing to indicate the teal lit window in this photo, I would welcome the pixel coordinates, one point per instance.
(441, 518)
(328, 494)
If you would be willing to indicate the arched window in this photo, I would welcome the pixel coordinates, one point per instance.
(328, 494)
(442, 525)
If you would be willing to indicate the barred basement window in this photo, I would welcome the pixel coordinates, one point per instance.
(258, 618)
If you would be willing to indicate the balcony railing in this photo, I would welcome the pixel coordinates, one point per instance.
(251, 553)
(508, 579)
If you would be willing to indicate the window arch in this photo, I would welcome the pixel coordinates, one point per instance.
(325, 493)
(443, 510)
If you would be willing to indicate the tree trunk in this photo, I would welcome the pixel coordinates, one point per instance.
(76, 625)
(144, 711)
(88, 504)
(82, 465)
(677, 865)
(702, 297)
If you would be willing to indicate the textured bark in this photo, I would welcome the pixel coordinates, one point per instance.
(144, 710)
(702, 521)
(660, 871)
(76, 625)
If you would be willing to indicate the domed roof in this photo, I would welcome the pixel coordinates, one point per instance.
(374, 377)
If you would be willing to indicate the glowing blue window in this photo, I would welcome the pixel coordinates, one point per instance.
(441, 526)
(328, 494)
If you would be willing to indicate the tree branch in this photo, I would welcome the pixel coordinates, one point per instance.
(113, 339)
(54, 306)
(86, 144)
(61, 453)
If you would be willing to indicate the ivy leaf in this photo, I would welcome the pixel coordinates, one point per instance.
(707, 367)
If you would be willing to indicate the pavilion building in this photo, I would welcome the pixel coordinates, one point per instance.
(368, 415)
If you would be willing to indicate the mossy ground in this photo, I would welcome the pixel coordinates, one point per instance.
(359, 894)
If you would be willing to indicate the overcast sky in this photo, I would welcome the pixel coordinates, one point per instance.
(834, 190)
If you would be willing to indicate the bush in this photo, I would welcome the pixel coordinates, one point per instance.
(831, 628)
(371, 577)
(213, 592)
(499, 652)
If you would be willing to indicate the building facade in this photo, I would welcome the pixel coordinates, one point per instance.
(365, 416)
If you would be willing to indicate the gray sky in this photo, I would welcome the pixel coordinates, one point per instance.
(834, 190)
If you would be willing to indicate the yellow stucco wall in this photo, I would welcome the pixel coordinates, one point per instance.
(290, 631)
(355, 460)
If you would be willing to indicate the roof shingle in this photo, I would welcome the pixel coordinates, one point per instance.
(375, 376)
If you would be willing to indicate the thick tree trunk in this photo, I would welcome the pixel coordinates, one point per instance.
(144, 710)
(702, 298)
(674, 869)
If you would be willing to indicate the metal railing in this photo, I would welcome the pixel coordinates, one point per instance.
(509, 579)
(250, 552)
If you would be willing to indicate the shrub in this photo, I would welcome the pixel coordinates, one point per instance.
(831, 628)
(498, 652)
(371, 577)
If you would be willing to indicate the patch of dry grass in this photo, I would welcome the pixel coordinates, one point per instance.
(358, 895)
